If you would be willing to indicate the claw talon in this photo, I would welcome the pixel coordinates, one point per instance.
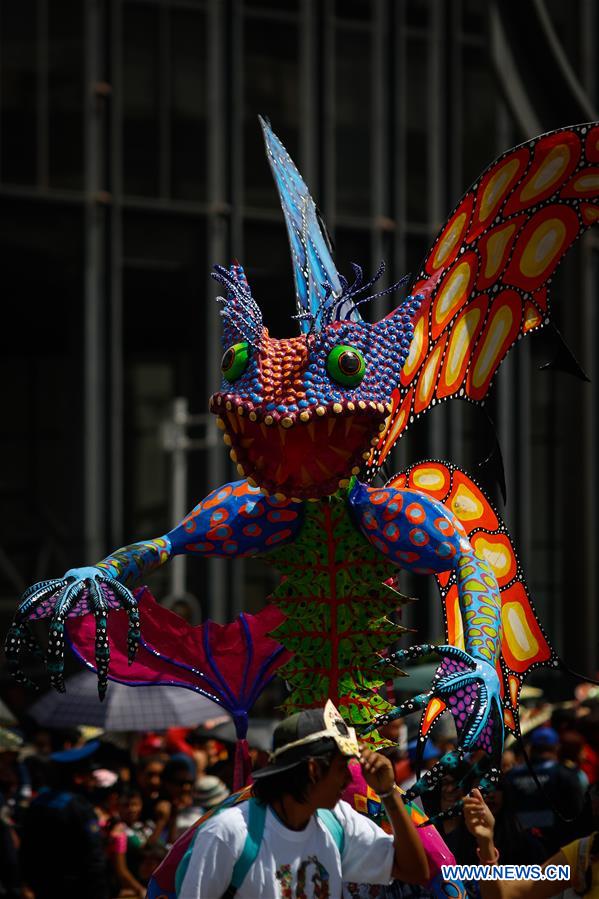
(65, 593)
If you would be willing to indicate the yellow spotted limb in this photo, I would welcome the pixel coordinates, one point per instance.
(524, 645)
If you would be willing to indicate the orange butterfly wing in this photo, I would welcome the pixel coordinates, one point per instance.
(485, 281)
(524, 645)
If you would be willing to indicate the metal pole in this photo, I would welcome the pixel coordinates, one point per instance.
(176, 441)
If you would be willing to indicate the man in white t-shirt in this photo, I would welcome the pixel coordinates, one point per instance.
(302, 853)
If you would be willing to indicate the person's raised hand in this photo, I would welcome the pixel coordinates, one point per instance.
(377, 770)
(478, 817)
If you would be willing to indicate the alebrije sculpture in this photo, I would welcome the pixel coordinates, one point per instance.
(310, 419)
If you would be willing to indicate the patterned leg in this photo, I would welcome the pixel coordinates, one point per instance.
(65, 604)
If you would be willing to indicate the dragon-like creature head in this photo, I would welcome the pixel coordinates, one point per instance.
(301, 415)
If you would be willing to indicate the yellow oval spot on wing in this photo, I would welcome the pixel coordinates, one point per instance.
(465, 504)
(427, 378)
(543, 246)
(586, 184)
(495, 188)
(550, 171)
(415, 349)
(459, 344)
(452, 293)
(497, 331)
(522, 641)
(495, 554)
(590, 214)
(496, 245)
(429, 479)
(449, 240)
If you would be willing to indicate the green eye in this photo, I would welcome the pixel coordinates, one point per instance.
(346, 365)
(235, 361)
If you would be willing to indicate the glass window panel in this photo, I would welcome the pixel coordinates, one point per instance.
(354, 246)
(565, 18)
(417, 246)
(141, 78)
(267, 262)
(188, 109)
(65, 93)
(474, 16)
(287, 6)
(354, 9)
(353, 125)
(166, 255)
(416, 139)
(271, 85)
(18, 131)
(40, 496)
(417, 13)
(480, 100)
(164, 270)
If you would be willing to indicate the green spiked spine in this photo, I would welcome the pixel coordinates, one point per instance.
(336, 607)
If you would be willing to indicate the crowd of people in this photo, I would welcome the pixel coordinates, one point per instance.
(95, 817)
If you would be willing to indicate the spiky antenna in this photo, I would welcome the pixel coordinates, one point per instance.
(330, 303)
(312, 317)
(241, 310)
(236, 320)
(357, 287)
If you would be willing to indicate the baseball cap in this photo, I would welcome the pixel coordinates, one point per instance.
(308, 734)
(71, 756)
(544, 736)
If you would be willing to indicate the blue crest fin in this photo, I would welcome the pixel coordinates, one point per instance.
(313, 265)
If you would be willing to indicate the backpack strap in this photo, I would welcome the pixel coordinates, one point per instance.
(251, 847)
(186, 843)
(334, 827)
(256, 820)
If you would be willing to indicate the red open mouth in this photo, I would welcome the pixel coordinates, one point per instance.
(306, 454)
